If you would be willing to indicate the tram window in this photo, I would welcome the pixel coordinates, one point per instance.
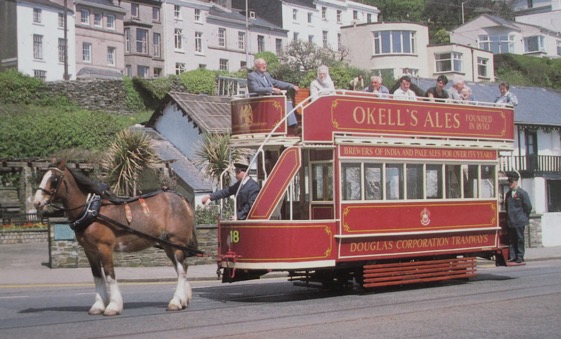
(351, 182)
(415, 182)
(394, 181)
(487, 181)
(453, 181)
(434, 181)
(322, 182)
(373, 184)
(471, 175)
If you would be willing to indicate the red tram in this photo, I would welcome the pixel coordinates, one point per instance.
(376, 190)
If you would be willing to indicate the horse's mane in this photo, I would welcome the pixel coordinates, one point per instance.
(88, 184)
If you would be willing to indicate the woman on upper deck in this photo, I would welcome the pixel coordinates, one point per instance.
(322, 84)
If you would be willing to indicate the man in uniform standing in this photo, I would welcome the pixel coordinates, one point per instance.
(518, 208)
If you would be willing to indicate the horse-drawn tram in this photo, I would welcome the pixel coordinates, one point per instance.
(377, 190)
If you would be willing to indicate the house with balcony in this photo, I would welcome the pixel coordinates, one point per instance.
(315, 21)
(33, 39)
(497, 35)
(388, 48)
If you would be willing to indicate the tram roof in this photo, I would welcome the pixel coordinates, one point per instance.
(536, 105)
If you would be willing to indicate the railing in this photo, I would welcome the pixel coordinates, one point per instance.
(20, 219)
(531, 163)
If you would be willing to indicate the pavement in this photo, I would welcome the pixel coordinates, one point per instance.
(25, 264)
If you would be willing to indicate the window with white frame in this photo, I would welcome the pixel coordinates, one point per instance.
(179, 68)
(110, 21)
(295, 14)
(37, 47)
(178, 34)
(497, 44)
(368, 17)
(394, 42)
(143, 71)
(135, 11)
(324, 13)
(448, 62)
(177, 11)
(97, 19)
(157, 44)
(158, 72)
(241, 40)
(87, 52)
(278, 46)
(40, 74)
(142, 40)
(355, 15)
(310, 38)
(339, 12)
(482, 68)
(60, 20)
(324, 39)
(223, 64)
(295, 36)
(36, 15)
(111, 54)
(156, 14)
(127, 40)
(61, 49)
(197, 15)
(534, 44)
(84, 17)
(128, 70)
(260, 43)
(339, 44)
(310, 16)
(222, 37)
(199, 42)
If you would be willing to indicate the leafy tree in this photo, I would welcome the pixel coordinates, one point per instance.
(126, 159)
(398, 10)
(199, 81)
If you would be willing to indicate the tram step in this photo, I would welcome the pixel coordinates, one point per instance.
(418, 271)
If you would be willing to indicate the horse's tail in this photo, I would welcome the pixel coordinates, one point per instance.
(193, 243)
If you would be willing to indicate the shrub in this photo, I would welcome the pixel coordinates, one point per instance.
(133, 99)
(199, 81)
(19, 88)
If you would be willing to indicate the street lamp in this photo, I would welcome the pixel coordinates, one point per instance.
(66, 76)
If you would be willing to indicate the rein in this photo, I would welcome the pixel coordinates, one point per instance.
(192, 251)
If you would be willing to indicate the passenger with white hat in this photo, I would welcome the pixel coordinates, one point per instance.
(247, 194)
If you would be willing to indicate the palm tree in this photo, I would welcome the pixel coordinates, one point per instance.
(214, 156)
(127, 157)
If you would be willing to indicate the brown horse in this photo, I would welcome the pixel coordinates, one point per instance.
(165, 216)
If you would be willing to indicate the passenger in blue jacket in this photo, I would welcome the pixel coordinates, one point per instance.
(518, 208)
(245, 197)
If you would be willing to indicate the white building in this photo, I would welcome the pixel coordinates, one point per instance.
(389, 48)
(202, 35)
(33, 39)
(547, 13)
(497, 35)
(316, 21)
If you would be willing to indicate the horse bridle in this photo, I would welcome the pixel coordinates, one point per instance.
(54, 189)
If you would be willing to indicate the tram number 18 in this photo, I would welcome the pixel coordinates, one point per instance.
(235, 236)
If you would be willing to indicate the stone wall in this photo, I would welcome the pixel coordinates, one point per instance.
(69, 254)
(95, 94)
(23, 236)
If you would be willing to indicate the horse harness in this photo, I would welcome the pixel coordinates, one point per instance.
(91, 213)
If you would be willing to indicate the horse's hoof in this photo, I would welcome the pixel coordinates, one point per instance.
(95, 311)
(110, 313)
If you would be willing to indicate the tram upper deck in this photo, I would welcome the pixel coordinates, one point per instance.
(367, 118)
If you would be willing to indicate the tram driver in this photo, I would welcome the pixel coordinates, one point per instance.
(246, 195)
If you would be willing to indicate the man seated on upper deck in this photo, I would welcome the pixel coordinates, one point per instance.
(403, 92)
(438, 93)
(458, 84)
(246, 195)
(376, 87)
(262, 83)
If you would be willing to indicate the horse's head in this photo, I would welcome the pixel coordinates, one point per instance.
(49, 187)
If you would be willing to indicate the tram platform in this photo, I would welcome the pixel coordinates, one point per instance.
(24, 265)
